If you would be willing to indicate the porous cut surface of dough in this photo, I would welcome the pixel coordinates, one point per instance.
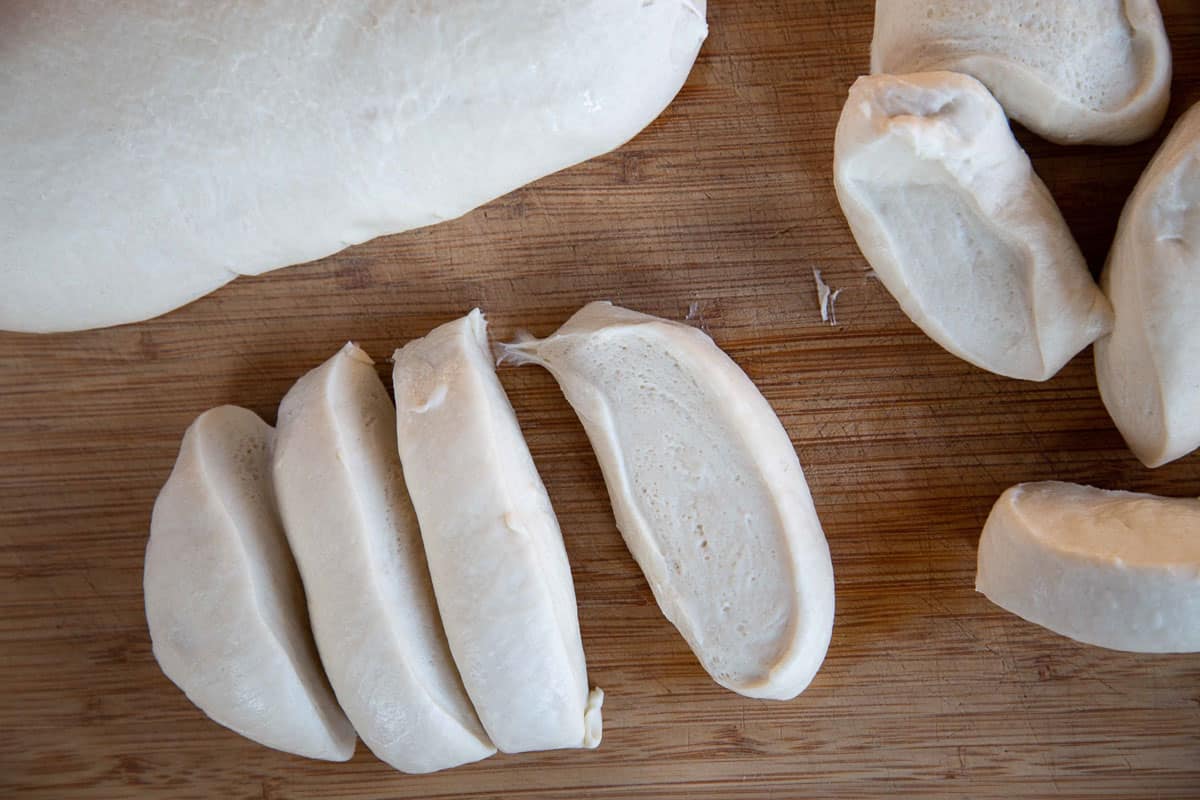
(1095, 71)
(707, 492)
(948, 211)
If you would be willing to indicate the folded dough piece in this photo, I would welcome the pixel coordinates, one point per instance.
(947, 209)
(1115, 569)
(495, 552)
(352, 528)
(154, 153)
(1149, 368)
(707, 492)
(223, 600)
(1073, 72)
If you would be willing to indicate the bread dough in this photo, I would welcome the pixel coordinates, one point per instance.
(1149, 368)
(152, 153)
(947, 209)
(355, 537)
(1115, 569)
(1073, 71)
(223, 600)
(495, 552)
(707, 492)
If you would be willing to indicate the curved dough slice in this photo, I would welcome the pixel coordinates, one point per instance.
(947, 209)
(353, 531)
(495, 552)
(1115, 569)
(707, 492)
(223, 600)
(1149, 368)
(154, 153)
(1073, 72)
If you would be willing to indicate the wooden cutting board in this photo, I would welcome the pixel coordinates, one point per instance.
(719, 212)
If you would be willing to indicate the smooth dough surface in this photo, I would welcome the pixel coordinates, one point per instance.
(1148, 370)
(352, 528)
(223, 599)
(1073, 71)
(155, 151)
(1115, 569)
(495, 552)
(947, 209)
(707, 492)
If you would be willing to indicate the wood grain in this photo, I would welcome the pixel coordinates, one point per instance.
(723, 206)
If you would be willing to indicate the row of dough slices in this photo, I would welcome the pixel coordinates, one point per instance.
(947, 209)
(443, 616)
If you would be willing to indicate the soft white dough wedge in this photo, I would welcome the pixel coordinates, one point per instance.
(947, 209)
(1115, 569)
(223, 600)
(495, 552)
(352, 528)
(707, 492)
(1072, 71)
(1149, 368)
(153, 154)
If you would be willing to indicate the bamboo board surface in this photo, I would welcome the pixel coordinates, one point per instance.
(718, 212)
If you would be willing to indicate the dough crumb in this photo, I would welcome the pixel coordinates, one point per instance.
(826, 298)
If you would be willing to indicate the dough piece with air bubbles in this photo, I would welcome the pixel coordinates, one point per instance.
(707, 492)
(1115, 569)
(153, 153)
(1072, 71)
(223, 600)
(351, 525)
(1149, 368)
(947, 209)
(495, 552)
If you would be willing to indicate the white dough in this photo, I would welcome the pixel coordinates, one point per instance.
(495, 552)
(1149, 368)
(947, 209)
(1115, 569)
(707, 492)
(154, 152)
(1073, 71)
(223, 600)
(352, 528)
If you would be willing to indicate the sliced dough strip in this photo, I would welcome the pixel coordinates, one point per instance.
(223, 601)
(707, 492)
(1148, 370)
(495, 552)
(1115, 569)
(946, 208)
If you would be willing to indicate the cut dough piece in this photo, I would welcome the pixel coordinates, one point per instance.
(152, 154)
(495, 552)
(707, 492)
(1149, 368)
(1115, 569)
(355, 536)
(1073, 72)
(223, 600)
(946, 207)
